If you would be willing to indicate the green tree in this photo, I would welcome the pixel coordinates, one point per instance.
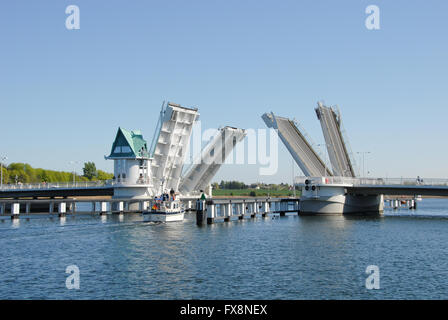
(17, 172)
(5, 174)
(89, 170)
(101, 175)
(215, 186)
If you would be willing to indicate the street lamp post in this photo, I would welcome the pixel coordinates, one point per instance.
(363, 161)
(74, 170)
(1, 169)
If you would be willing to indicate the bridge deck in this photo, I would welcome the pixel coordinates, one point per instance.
(300, 148)
(385, 186)
(399, 190)
(336, 146)
(57, 192)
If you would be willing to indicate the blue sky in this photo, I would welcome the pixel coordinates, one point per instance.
(63, 93)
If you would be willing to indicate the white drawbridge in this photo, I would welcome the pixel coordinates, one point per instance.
(337, 147)
(301, 150)
(169, 146)
(214, 154)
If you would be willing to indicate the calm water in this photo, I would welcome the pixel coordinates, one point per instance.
(275, 258)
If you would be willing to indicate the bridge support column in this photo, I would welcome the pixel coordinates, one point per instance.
(211, 212)
(228, 212)
(240, 207)
(2, 208)
(201, 212)
(334, 199)
(51, 207)
(15, 210)
(62, 208)
(283, 208)
(254, 209)
(243, 210)
(117, 207)
(395, 204)
(72, 207)
(28, 207)
(265, 209)
(103, 208)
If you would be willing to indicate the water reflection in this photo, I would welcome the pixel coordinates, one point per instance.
(15, 223)
(293, 257)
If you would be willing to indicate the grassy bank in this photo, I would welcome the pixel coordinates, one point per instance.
(253, 193)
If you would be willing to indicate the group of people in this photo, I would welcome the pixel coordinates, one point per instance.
(419, 180)
(166, 197)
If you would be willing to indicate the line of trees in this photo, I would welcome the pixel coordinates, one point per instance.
(242, 185)
(23, 173)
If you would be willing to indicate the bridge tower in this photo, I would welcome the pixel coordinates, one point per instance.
(131, 174)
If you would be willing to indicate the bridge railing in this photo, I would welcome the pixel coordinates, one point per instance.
(56, 185)
(374, 181)
(72, 185)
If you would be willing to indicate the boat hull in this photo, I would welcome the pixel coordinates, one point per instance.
(163, 217)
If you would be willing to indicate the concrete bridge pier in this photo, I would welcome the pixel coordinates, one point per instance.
(117, 207)
(254, 209)
(283, 208)
(103, 208)
(211, 213)
(27, 207)
(62, 208)
(228, 211)
(266, 208)
(241, 210)
(15, 210)
(201, 212)
(334, 199)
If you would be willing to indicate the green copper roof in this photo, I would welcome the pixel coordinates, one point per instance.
(129, 144)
